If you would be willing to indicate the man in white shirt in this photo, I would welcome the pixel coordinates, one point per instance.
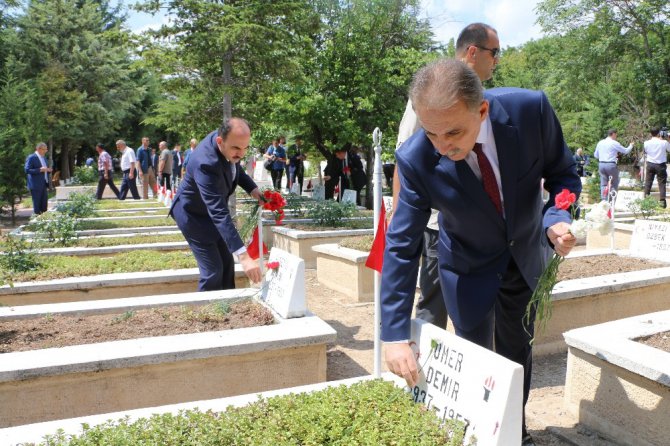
(128, 161)
(606, 153)
(656, 150)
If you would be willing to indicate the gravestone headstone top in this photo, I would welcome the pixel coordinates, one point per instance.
(319, 192)
(349, 196)
(626, 197)
(651, 240)
(284, 286)
(463, 381)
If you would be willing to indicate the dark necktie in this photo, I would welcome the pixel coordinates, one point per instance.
(488, 178)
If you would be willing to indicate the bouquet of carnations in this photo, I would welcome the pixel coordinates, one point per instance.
(600, 218)
(272, 201)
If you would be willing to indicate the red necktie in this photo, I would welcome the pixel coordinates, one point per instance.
(488, 178)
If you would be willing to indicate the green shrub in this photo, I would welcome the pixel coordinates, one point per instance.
(645, 207)
(593, 187)
(367, 413)
(330, 212)
(79, 205)
(56, 228)
(15, 258)
(85, 175)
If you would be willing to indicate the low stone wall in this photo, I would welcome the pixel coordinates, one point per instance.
(617, 386)
(594, 300)
(300, 243)
(115, 249)
(80, 380)
(344, 270)
(107, 286)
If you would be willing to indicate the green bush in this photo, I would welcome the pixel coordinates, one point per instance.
(57, 228)
(645, 207)
(367, 413)
(15, 258)
(331, 212)
(593, 187)
(79, 205)
(85, 175)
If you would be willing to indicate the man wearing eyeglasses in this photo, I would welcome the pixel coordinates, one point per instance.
(478, 46)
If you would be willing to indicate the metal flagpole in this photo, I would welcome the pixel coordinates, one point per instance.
(377, 189)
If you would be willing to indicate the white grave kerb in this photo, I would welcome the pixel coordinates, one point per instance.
(349, 196)
(284, 289)
(461, 380)
(651, 240)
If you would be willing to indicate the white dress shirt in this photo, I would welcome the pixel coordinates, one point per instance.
(656, 149)
(128, 158)
(607, 149)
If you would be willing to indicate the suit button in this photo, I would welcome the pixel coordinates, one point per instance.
(511, 243)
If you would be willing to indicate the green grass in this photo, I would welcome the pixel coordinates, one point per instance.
(362, 243)
(131, 223)
(157, 211)
(367, 413)
(99, 242)
(129, 204)
(58, 267)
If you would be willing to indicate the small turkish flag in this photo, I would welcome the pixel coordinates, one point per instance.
(376, 257)
(252, 249)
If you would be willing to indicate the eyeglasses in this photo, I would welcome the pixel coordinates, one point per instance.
(495, 52)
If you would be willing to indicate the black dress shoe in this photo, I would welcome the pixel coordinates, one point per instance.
(527, 440)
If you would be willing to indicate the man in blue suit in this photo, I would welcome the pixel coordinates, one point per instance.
(479, 160)
(37, 172)
(200, 207)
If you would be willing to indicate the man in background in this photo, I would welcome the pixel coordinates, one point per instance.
(606, 153)
(145, 168)
(656, 150)
(164, 165)
(128, 163)
(296, 157)
(177, 164)
(37, 172)
(105, 171)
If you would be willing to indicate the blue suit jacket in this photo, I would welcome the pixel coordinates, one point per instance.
(200, 206)
(475, 242)
(36, 180)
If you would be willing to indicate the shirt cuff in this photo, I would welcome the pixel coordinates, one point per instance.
(401, 341)
(242, 250)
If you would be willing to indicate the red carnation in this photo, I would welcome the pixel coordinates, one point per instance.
(272, 265)
(565, 199)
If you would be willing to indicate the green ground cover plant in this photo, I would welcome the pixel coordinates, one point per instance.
(58, 267)
(129, 204)
(120, 213)
(79, 205)
(366, 413)
(362, 243)
(330, 212)
(131, 223)
(85, 175)
(99, 242)
(647, 207)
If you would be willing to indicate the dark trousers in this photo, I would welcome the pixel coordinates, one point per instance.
(216, 264)
(656, 170)
(607, 170)
(128, 184)
(276, 178)
(297, 176)
(430, 306)
(102, 182)
(165, 181)
(503, 329)
(40, 199)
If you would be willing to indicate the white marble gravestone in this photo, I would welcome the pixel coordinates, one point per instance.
(461, 380)
(651, 240)
(388, 204)
(349, 196)
(626, 197)
(319, 192)
(284, 287)
(295, 189)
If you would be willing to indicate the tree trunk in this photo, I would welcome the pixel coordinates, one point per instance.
(65, 161)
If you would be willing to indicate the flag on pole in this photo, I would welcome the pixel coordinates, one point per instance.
(376, 256)
(253, 249)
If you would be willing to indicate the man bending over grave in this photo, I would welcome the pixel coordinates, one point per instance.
(479, 161)
(200, 207)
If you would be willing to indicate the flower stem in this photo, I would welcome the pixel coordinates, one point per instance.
(541, 298)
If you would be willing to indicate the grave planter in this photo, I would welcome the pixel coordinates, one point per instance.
(107, 286)
(80, 380)
(300, 242)
(594, 300)
(618, 386)
(343, 270)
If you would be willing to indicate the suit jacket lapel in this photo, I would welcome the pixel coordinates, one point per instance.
(507, 143)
